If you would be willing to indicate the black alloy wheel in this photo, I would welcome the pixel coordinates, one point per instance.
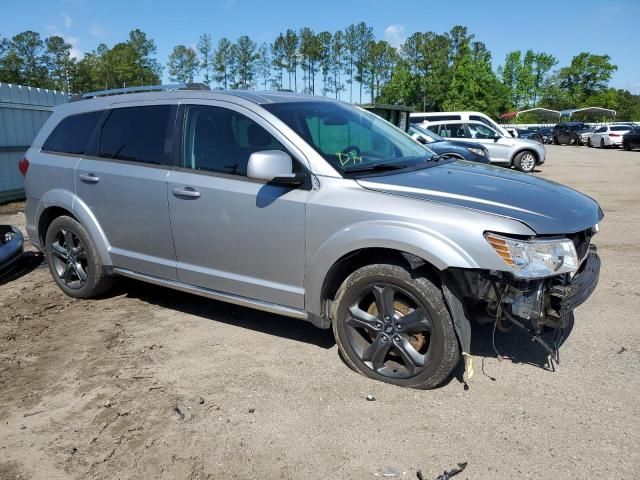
(73, 259)
(396, 328)
(69, 258)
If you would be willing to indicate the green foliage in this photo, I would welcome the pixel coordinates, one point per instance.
(183, 64)
(243, 63)
(263, 64)
(221, 62)
(205, 54)
(474, 85)
(431, 71)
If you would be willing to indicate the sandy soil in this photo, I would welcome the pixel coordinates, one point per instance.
(151, 383)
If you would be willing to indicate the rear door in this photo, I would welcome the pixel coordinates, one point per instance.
(234, 234)
(55, 163)
(124, 183)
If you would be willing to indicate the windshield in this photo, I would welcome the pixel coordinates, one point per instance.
(349, 138)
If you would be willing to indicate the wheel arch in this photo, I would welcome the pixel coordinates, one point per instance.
(352, 248)
(525, 149)
(56, 203)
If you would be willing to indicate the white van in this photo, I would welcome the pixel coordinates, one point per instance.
(428, 117)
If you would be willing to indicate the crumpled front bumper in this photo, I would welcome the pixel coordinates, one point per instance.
(565, 298)
(11, 245)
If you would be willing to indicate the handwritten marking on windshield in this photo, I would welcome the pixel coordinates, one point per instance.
(345, 158)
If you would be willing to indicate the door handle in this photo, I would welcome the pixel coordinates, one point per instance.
(187, 192)
(89, 177)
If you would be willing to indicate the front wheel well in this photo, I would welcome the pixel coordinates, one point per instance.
(352, 261)
(533, 152)
(46, 217)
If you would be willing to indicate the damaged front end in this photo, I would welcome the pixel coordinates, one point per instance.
(535, 304)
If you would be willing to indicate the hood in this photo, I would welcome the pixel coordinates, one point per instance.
(546, 207)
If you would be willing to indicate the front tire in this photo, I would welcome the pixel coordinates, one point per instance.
(393, 326)
(556, 141)
(73, 260)
(625, 146)
(525, 161)
(589, 144)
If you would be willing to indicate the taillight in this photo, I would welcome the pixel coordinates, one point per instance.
(614, 135)
(23, 166)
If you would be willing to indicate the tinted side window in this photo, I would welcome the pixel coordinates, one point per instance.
(73, 133)
(138, 134)
(480, 131)
(221, 140)
(452, 130)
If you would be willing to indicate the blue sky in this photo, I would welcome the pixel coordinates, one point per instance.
(563, 28)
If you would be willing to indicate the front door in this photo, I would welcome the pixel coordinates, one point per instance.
(124, 183)
(231, 233)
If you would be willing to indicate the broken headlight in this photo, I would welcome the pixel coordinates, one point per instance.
(535, 258)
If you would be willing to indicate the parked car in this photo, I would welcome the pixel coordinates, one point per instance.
(310, 208)
(524, 133)
(11, 246)
(608, 136)
(543, 135)
(473, 152)
(429, 117)
(631, 139)
(507, 151)
(572, 133)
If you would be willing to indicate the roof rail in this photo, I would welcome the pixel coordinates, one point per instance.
(143, 88)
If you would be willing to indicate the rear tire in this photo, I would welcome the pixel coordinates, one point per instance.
(556, 141)
(625, 146)
(602, 145)
(73, 260)
(525, 161)
(393, 326)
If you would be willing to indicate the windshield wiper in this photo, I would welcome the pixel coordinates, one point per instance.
(440, 156)
(378, 167)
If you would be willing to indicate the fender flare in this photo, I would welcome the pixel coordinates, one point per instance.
(380, 234)
(65, 199)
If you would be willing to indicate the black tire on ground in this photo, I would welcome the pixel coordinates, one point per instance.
(602, 145)
(73, 260)
(589, 144)
(412, 343)
(556, 141)
(525, 161)
(625, 146)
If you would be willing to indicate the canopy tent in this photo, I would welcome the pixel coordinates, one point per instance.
(588, 112)
(547, 114)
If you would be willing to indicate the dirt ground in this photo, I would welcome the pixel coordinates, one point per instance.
(152, 383)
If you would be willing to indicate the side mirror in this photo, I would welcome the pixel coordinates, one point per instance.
(273, 166)
(421, 140)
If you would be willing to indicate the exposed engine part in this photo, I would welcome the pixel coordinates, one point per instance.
(537, 303)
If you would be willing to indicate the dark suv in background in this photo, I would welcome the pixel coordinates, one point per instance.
(572, 133)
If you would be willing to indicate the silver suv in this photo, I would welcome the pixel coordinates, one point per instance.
(309, 208)
(509, 151)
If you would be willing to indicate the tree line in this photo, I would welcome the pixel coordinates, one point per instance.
(429, 71)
